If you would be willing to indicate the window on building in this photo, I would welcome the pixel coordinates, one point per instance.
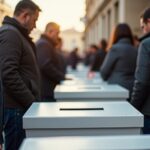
(116, 12)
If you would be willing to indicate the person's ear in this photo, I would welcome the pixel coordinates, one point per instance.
(25, 14)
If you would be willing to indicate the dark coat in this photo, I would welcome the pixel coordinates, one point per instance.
(74, 59)
(98, 60)
(119, 64)
(1, 110)
(87, 59)
(50, 67)
(20, 72)
(141, 91)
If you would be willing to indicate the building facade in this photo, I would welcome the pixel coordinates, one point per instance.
(71, 39)
(4, 10)
(102, 16)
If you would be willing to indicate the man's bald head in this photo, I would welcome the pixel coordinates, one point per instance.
(52, 30)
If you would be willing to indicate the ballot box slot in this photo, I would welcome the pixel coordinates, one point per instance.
(80, 109)
(90, 88)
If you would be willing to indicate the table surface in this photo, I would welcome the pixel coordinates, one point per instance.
(88, 143)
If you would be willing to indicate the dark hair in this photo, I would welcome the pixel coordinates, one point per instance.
(94, 46)
(145, 15)
(122, 30)
(25, 4)
(103, 43)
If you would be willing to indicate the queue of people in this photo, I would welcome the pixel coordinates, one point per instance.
(29, 72)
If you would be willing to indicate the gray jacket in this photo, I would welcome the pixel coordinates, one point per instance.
(119, 64)
(141, 91)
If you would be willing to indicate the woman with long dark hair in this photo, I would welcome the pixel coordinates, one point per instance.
(120, 61)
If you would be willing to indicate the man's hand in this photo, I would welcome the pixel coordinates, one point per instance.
(91, 75)
(67, 78)
(0, 146)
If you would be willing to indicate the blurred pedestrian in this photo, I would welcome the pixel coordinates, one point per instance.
(74, 58)
(99, 56)
(120, 61)
(48, 61)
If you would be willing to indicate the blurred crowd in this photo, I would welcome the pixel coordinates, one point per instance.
(29, 72)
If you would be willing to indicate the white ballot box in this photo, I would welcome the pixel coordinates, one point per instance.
(81, 119)
(84, 81)
(103, 92)
(83, 75)
(141, 142)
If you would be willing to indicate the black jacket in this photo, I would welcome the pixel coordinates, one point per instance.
(141, 91)
(74, 59)
(50, 67)
(120, 63)
(98, 60)
(1, 137)
(20, 72)
(1, 110)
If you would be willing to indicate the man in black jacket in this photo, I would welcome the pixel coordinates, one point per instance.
(141, 90)
(48, 61)
(1, 113)
(20, 73)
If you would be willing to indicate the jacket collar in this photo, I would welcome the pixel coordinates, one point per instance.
(12, 21)
(144, 36)
(16, 24)
(124, 40)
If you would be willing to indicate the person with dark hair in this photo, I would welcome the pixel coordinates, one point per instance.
(90, 58)
(99, 56)
(74, 58)
(19, 70)
(93, 48)
(120, 62)
(141, 90)
(48, 61)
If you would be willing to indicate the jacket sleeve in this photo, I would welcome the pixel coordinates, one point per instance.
(10, 57)
(108, 64)
(1, 137)
(142, 77)
(47, 64)
(1, 110)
